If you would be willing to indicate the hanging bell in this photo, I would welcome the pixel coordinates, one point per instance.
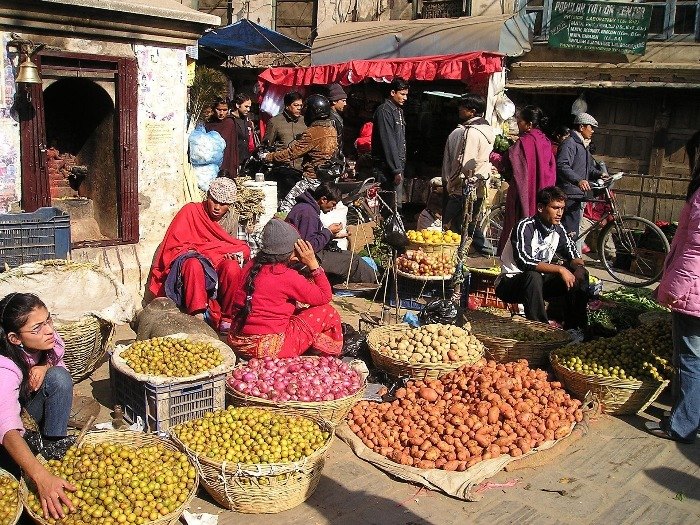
(28, 73)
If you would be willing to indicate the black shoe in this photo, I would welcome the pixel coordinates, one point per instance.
(657, 430)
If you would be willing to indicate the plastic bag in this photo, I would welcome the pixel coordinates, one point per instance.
(440, 311)
(394, 232)
(205, 174)
(354, 343)
(206, 147)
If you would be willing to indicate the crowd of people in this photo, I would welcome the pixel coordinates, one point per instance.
(278, 303)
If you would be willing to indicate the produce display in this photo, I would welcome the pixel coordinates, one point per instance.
(524, 334)
(634, 354)
(434, 343)
(433, 237)
(470, 415)
(296, 379)
(619, 309)
(252, 435)
(418, 262)
(9, 498)
(121, 484)
(171, 357)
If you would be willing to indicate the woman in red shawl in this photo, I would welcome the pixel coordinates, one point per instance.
(198, 262)
(533, 167)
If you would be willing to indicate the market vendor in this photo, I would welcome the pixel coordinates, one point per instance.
(33, 377)
(267, 318)
(198, 261)
(527, 273)
(305, 216)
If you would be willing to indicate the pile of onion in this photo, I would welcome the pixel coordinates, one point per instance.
(475, 413)
(296, 379)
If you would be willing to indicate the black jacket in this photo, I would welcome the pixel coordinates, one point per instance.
(389, 137)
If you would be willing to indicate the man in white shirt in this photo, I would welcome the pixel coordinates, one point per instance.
(527, 273)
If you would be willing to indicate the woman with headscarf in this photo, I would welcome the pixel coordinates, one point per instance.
(533, 167)
(267, 317)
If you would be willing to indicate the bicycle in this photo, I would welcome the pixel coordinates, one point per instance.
(632, 249)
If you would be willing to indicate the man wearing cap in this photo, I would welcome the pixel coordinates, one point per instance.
(338, 98)
(198, 260)
(575, 165)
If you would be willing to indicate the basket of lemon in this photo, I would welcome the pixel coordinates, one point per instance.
(434, 241)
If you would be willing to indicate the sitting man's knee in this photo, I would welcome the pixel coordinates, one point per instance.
(532, 277)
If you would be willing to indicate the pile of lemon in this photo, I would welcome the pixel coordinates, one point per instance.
(433, 237)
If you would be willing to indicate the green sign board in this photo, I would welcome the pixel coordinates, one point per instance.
(617, 27)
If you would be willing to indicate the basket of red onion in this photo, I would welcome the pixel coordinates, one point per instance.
(323, 386)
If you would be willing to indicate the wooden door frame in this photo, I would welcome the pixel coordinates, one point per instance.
(34, 177)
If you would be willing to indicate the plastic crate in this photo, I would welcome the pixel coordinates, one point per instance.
(414, 293)
(164, 406)
(36, 236)
(481, 286)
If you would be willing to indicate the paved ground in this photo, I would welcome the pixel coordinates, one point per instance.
(616, 474)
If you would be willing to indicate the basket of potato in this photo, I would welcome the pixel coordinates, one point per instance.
(10, 504)
(429, 351)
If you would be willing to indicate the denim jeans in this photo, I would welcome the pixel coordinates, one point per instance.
(685, 414)
(51, 404)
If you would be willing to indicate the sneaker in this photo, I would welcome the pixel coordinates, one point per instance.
(576, 334)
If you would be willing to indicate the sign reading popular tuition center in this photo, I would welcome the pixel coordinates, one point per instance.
(600, 26)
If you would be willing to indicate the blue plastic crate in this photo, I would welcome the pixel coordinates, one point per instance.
(36, 236)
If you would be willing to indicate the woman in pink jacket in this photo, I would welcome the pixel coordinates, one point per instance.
(680, 290)
(34, 377)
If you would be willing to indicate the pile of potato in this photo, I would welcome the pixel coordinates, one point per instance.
(472, 414)
(434, 343)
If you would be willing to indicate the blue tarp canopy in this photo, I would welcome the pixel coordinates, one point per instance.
(248, 38)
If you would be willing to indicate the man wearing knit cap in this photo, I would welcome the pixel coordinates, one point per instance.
(198, 261)
(575, 166)
(339, 99)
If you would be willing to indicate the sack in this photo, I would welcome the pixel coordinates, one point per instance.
(439, 311)
(206, 147)
(394, 232)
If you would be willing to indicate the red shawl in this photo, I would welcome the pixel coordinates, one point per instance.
(192, 229)
(533, 168)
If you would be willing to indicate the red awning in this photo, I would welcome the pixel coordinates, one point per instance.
(470, 68)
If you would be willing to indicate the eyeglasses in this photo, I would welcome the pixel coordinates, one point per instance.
(36, 330)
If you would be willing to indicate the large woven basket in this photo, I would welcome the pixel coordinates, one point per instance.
(261, 488)
(87, 339)
(448, 249)
(493, 330)
(397, 368)
(332, 411)
(129, 438)
(616, 396)
(18, 511)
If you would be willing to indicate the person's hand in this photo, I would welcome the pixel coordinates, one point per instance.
(52, 494)
(398, 178)
(305, 254)
(37, 374)
(335, 227)
(568, 277)
(583, 184)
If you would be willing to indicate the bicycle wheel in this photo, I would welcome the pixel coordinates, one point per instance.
(492, 225)
(633, 250)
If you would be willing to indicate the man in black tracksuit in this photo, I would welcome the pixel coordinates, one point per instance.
(527, 273)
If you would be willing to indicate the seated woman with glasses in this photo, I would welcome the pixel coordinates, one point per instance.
(34, 377)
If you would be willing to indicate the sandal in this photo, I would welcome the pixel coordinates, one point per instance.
(656, 430)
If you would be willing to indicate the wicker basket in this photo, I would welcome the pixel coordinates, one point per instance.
(424, 277)
(87, 339)
(262, 488)
(448, 249)
(18, 512)
(332, 411)
(397, 368)
(485, 326)
(129, 438)
(616, 396)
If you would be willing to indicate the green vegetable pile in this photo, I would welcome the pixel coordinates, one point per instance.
(501, 143)
(620, 308)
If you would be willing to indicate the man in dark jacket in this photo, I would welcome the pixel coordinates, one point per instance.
(305, 216)
(286, 127)
(338, 98)
(389, 139)
(575, 165)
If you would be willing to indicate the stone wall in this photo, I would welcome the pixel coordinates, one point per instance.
(9, 132)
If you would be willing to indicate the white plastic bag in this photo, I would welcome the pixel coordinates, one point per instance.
(206, 147)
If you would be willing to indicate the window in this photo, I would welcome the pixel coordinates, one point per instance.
(668, 17)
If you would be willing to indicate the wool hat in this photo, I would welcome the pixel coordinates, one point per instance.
(336, 93)
(279, 237)
(223, 190)
(585, 119)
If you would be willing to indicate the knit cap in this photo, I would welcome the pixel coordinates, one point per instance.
(336, 93)
(279, 237)
(585, 119)
(223, 190)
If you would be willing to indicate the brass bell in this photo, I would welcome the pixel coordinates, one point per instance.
(28, 73)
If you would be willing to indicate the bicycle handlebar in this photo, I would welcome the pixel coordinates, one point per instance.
(606, 182)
